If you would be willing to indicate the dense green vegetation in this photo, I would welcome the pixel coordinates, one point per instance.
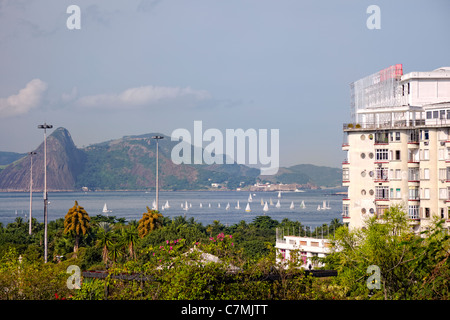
(172, 255)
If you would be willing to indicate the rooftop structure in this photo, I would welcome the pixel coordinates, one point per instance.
(398, 146)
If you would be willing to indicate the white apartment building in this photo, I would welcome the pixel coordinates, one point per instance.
(305, 248)
(398, 146)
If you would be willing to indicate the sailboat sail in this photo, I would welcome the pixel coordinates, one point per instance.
(237, 207)
(266, 207)
(247, 208)
(278, 205)
(228, 206)
(279, 194)
(292, 205)
(250, 199)
(303, 205)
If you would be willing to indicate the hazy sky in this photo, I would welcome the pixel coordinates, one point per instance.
(141, 66)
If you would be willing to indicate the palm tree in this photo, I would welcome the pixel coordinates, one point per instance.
(130, 237)
(149, 222)
(105, 239)
(76, 223)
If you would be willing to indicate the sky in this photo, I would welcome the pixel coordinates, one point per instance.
(144, 66)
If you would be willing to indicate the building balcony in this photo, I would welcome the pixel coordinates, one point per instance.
(345, 162)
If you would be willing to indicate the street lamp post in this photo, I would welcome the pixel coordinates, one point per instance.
(157, 138)
(31, 186)
(45, 127)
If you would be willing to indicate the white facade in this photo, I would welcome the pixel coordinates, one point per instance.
(400, 154)
(305, 248)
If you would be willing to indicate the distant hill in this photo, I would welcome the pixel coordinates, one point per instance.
(307, 173)
(9, 157)
(129, 163)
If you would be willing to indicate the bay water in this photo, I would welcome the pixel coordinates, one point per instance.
(132, 204)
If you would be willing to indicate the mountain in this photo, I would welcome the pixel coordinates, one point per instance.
(9, 157)
(307, 173)
(64, 163)
(129, 163)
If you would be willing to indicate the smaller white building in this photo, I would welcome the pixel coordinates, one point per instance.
(304, 247)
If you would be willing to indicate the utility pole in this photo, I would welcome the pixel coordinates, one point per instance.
(31, 186)
(157, 138)
(45, 127)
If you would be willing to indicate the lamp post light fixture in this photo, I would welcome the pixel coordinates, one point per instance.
(31, 186)
(157, 138)
(45, 127)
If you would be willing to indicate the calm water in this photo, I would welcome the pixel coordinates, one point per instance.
(131, 205)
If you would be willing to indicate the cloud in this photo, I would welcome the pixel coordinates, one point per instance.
(27, 99)
(144, 96)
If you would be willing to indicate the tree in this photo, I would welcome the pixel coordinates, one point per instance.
(105, 239)
(150, 221)
(76, 223)
(130, 237)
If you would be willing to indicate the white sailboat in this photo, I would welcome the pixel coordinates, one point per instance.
(278, 205)
(271, 202)
(279, 194)
(201, 206)
(292, 205)
(186, 206)
(266, 207)
(228, 206)
(166, 205)
(247, 208)
(154, 205)
(324, 205)
(302, 205)
(209, 205)
(105, 209)
(262, 201)
(218, 205)
(318, 208)
(237, 207)
(250, 199)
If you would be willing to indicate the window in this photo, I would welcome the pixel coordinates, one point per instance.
(441, 154)
(427, 212)
(381, 154)
(413, 193)
(380, 210)
(413, 174)
(345, 174)
(441, 114)
(442, 174)
(435, 114)
(443, 193)
(381, 174)
(345, 210)
(413, 212)
(426, 193)
(426, 174)
(397, 136)
(425, 134)
(426, 154)
(395, 193)
(409, 88)
(429, 115)
(381, 193)
(413, 136)
(394, 155)
(413, 155)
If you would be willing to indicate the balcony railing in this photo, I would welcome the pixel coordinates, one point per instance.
(394, 124)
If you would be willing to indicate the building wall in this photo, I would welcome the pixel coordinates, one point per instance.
(370, 191)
